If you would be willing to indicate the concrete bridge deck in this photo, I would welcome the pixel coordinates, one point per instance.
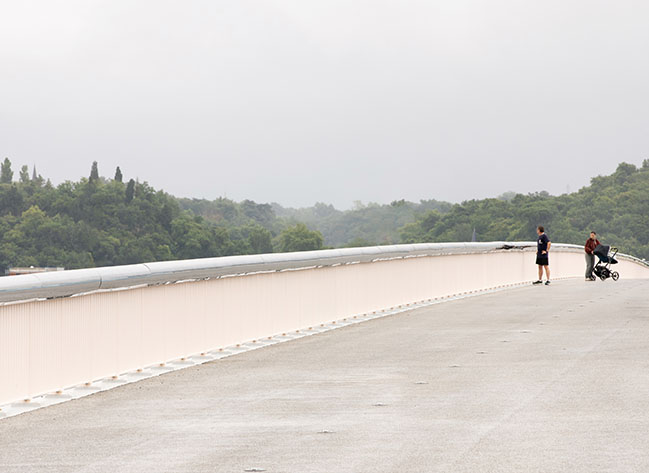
(535, 379)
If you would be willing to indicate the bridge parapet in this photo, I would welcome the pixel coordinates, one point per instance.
(69, 328)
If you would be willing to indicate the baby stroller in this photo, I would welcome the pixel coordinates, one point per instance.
(602, 269)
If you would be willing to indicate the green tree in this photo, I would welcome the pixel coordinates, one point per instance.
(24, 174)
(300, 238)
(359, 242)
(193, 239)
(11, 200)
(6, 174)
(260, 240)
(130, 191)
(94, 172)
(167, 213)
(118, 174)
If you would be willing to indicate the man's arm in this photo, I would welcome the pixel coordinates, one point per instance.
(549, 245)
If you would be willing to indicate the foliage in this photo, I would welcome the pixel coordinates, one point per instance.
(375, 223)
(130, 191)
(299, 238)
(615, 206)
(259, 240)
(24, 174)
(99, 222)
(94, 172)
(6, 174)
(361, 226)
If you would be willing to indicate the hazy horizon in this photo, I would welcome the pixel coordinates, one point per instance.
(341, 101)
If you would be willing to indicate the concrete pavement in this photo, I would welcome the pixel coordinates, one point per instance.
(535, 379)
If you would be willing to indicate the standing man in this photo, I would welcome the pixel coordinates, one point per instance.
(542, 248)
(590, 246)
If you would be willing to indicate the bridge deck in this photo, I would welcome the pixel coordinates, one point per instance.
(536, 379)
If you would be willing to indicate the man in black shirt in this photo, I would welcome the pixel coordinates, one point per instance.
(542, 249)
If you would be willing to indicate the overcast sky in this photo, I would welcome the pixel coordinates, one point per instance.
(298, 101)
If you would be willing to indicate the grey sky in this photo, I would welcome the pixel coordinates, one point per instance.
(299, 101)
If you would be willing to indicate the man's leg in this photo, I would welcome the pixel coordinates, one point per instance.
(590, 260)
(540, 272)
(547, 272)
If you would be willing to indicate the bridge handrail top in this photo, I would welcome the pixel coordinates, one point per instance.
(80, 281)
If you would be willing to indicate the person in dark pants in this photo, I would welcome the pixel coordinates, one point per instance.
(589, 247)
(542, 260)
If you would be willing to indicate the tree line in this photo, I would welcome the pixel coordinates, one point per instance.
(614, 206)
(99, 221)
(103, 221)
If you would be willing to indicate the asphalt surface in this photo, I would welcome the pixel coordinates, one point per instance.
(535, 379)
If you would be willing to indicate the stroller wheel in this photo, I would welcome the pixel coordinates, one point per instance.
(602, 277)
(615, 275)
(593, 278)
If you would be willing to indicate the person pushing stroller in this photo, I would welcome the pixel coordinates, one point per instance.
(589, 248)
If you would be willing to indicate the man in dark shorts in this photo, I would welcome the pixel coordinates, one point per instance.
(542, 249)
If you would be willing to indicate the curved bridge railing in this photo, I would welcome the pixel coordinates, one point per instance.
(69, 328)
(67, 283)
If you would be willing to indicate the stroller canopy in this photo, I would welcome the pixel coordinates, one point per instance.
(601, 251)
